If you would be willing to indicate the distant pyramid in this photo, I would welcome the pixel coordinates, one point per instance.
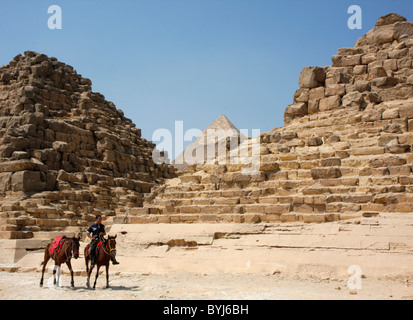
(205, 148)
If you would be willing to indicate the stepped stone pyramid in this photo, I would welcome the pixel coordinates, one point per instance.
(66, 153)
(221, 131)
(345, 150)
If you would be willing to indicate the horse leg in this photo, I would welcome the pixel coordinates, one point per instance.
(54, 273)
(87, 263)
(56, 280)
(88, 276)
(69, 265)
(107, 275)
(87, 258)
(46, 259)
(97, 275)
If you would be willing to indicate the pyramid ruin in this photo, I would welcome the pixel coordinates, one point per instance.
(66, 153)
(335, 184)
(345, 150)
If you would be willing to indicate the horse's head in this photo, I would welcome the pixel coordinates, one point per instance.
(75, 246)
(112, 246)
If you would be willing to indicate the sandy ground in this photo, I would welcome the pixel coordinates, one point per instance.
(132, 286)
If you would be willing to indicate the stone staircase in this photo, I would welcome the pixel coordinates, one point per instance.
(70, 210)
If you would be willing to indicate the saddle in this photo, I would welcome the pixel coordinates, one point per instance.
(101, 242)
(57, 244)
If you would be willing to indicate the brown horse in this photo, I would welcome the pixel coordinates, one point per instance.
(69, 247)
(106, 253)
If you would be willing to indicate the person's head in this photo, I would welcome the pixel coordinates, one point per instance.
(98, 219)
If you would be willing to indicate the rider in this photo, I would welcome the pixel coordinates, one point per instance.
(94, 233)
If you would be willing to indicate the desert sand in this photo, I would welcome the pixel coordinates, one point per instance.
(188, 286)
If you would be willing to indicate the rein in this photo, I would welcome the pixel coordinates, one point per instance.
(73, 249)
(110, 248)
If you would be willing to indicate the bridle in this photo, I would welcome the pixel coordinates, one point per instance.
(73, 247)
(111, 249)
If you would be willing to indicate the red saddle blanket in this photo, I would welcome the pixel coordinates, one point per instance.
(98, 245)
(57, 244)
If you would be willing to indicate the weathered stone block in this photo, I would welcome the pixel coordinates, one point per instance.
(278, 208)
(314, 218)
(360, 70)
(5, 180)
(29, 181)
(329, 103)
(406, 62)
(297, 109)
(362, 86)
(385, 81)
(398, 54)
(351, 60)
(337, 61)
(330, 162)
(335, 89)
(352, 99)
(301, 95)
(314, 141)
(390, 65)
(269, 166)
(377, 72)
(325, 173)
(349, 51)
(368, 58)
(317, 93)
(311, 77)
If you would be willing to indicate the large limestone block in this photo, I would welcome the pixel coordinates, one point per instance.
(325, 173)
(329, 103)
(297, 109)
(5, 181)
(29, 181)
(312, 77)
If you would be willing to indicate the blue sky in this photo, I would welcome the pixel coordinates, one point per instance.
(165, 60)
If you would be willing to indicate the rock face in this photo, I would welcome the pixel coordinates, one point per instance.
(345, 150)
(388, 28)
(378, 69)
(389, 19)
(66, 153)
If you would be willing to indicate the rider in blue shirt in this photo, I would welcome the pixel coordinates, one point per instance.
(95, 232)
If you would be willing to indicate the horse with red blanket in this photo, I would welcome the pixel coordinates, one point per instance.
(61, 250)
